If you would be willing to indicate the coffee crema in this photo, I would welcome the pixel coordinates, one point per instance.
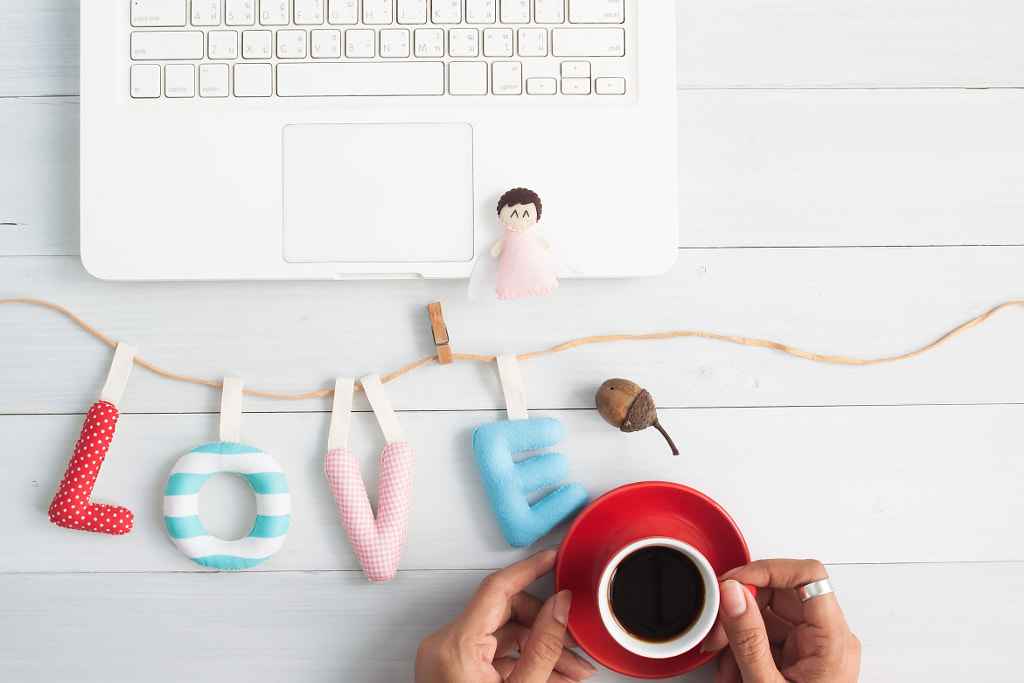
(656, 593)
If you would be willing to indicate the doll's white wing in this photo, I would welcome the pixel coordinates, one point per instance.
(484, 277)
(564, 256)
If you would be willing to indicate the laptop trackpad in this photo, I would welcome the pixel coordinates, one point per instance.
(386, 192)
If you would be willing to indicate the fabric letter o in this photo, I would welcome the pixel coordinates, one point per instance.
(181, 505)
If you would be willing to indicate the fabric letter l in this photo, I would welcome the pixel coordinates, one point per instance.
(71, 507)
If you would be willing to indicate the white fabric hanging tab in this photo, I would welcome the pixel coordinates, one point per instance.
(512, 386)
(382, 408)
(341, 413)
(231, 410)
(117, 378)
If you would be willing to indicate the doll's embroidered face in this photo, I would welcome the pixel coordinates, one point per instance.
(518, 217)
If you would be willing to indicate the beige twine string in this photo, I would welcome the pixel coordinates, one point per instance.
(563, 347)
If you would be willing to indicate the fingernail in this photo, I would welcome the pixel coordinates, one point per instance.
(561, 611)
(591, 669)
(734, 603)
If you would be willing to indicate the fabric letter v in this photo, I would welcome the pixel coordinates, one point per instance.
(71, 507)
(376, 541)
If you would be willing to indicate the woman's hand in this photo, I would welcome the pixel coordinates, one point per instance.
(778, 638)
(501, 619)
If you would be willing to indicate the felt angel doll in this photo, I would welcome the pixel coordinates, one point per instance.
(522, 263)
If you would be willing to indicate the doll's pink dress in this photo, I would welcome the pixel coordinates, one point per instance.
(524, 269)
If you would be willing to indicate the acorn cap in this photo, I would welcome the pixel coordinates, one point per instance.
(642, 413)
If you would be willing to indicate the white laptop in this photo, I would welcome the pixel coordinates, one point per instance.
(261, 139)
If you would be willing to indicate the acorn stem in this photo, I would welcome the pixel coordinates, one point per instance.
(671, 444)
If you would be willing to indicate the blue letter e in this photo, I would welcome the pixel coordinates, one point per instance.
(507, 483)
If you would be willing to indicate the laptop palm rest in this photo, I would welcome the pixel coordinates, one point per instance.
(372, 193)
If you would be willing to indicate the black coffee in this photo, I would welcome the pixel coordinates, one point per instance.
(656, 593)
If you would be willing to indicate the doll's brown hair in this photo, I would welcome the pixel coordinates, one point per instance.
(519, 195)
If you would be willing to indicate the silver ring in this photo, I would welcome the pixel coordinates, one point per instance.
(814, 589)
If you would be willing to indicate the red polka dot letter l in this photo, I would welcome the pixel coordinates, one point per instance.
(71, 507)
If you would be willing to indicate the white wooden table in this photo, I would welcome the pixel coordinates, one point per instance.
(851, 177)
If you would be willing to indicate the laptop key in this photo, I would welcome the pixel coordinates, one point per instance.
(325, 43)
(463, 42)
(377, 12)
(610, 86)
(342, 12)
(497, 42)
(309, 12)
(575, 86)
(480, 11)
(588, 42)
(257, 44)
(360, 43)
(222, 44)
(145, 80)
(541, 86)
(445, 11)
(253, 80)
(213, 80)
(515, 11)
(273, 12)
(205, 12)
(467, 78)
(158, 12)
(360, 78)
(240, 12)
(167, 45)
(412, 11)
(291, 44)
(180, 80)
(429, 42)
(533, 42)
(549, 11)
(596, 11)
(507, 78)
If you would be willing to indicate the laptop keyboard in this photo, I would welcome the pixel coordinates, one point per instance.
(209, 49)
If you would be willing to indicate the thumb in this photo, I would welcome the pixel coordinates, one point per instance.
(748, 640)
(544, 644)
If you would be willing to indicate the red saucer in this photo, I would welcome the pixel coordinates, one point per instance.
(624, 515)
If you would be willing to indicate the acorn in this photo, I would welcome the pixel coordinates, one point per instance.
(629, 407)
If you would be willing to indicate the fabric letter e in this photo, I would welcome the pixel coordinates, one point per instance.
(507, 483)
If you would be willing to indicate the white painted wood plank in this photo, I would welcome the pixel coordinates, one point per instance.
(295, 337)
(38, 48)
(38, 175)
(851, 167)
(314, 626)
(899, 484)
(850, 43)
(941, 623)
(296, 626)
(757, 168)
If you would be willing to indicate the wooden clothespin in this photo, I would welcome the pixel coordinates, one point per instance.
(437, 326)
